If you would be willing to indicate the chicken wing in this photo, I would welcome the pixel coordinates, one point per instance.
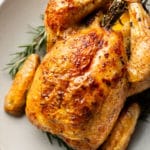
(139, 63)
(138, 35)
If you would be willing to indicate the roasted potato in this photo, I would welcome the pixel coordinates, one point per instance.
(16, 97)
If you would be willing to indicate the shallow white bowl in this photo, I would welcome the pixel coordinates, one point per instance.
(19, 133)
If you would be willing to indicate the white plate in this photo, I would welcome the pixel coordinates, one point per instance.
(19, 133)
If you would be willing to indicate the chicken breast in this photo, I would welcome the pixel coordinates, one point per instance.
(80, 87)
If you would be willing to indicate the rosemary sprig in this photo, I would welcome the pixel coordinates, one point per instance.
(114, 12)
(36, 46)
(60, 142)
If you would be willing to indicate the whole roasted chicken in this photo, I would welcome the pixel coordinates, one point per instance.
(81, 85)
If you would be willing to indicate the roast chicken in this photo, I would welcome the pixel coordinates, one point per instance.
(79, 88)
(81, 85)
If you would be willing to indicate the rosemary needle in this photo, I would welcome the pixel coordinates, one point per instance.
(60, 142)
(36, 46)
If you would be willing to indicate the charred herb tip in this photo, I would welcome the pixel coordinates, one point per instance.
(114, 12)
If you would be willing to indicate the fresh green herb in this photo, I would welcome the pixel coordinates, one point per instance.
(37, 44)
(60, 142)
(114, 12)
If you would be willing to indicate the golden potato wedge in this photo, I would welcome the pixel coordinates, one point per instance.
(15, 99)
(123, 129)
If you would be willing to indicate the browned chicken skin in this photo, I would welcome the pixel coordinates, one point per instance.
(81, 85)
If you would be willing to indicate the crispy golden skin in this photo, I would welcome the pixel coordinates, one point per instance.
(80, 87)
(123, 129)
(16, 97)
(61, 14)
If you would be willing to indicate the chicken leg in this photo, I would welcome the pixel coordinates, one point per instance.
(61, 14)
